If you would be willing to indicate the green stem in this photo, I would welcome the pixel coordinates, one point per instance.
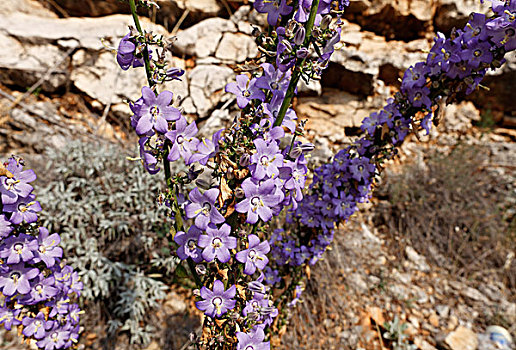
(136, 20)
(289, 95)
(178, 222)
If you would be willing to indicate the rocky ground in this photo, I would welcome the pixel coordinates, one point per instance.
(59, 81)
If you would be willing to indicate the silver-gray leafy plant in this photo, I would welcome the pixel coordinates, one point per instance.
(103, 207)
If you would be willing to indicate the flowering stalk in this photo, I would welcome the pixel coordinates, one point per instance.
(36, 285)
(146, 60)
(299, 64)
(242, 178)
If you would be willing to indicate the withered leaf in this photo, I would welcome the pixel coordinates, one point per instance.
(225, 192)
(5, 172)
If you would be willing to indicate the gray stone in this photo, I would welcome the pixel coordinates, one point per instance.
(202, 39)
(24, 65)
(462, 339)
(168, 14)
(207, 84)
(236, 47)
(455, 13)
(418, 260)
(87, 31)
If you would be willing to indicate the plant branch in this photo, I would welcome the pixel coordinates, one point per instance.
(136, 20)
(296, 74)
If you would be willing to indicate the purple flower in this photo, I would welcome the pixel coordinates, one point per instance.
(252, 341)
(125, 53)
(49, 249)
(273, 79)
(266, 161)
(150, 163)
(24, 209)
(175, 73)
(420, 97)
(36, 327)
(17, 249)
(56, 338)
(188, 244)
(217, 243)
(17, 279)
(259, 200)
(183, 141)
(68, 280)
(5, 227)
(414, 76)
(478, 52)
(216, 302)
(156, 112)
(9, 318)
(245, 90)
(273, 8)
(43, 289)
(254, 257)
(17, 186)
(202, 208)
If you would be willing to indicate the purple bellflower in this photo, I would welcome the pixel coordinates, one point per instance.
(156, 112)
(266, 161)
(273, 8)
(217, 302)
(188, 244)
(17, 279)
(37, 326)
(259, 200)
(183, 141)
(202, 208)
(5, 227)
(245, 90)
(19, 249)
(125, 53)
(253, 340)
(17, 186)
(49, 250)
(217, 243)
(24, 209)
(254, 257)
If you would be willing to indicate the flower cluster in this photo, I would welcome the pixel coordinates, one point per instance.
(256, 168)
(37, 287)
(454, 65)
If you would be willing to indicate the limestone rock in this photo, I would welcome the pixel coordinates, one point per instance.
(25, 6)
(24, 65)
(462, 339)
(333, 111)
(365, 57)
(236, 47)
(98, 76)
(207, 84)
(401, 20)
(87, 31)
(455, 13)
(202, 39)
(168, 13)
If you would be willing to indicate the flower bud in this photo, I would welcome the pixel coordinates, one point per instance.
(326, 21)
(239, 193)
(174, 73)
(230, 173)
(287, 44)
(307, 147)
(244, 160)
(299, 38)
(296, 152)
(200, 269)
(302, 53)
